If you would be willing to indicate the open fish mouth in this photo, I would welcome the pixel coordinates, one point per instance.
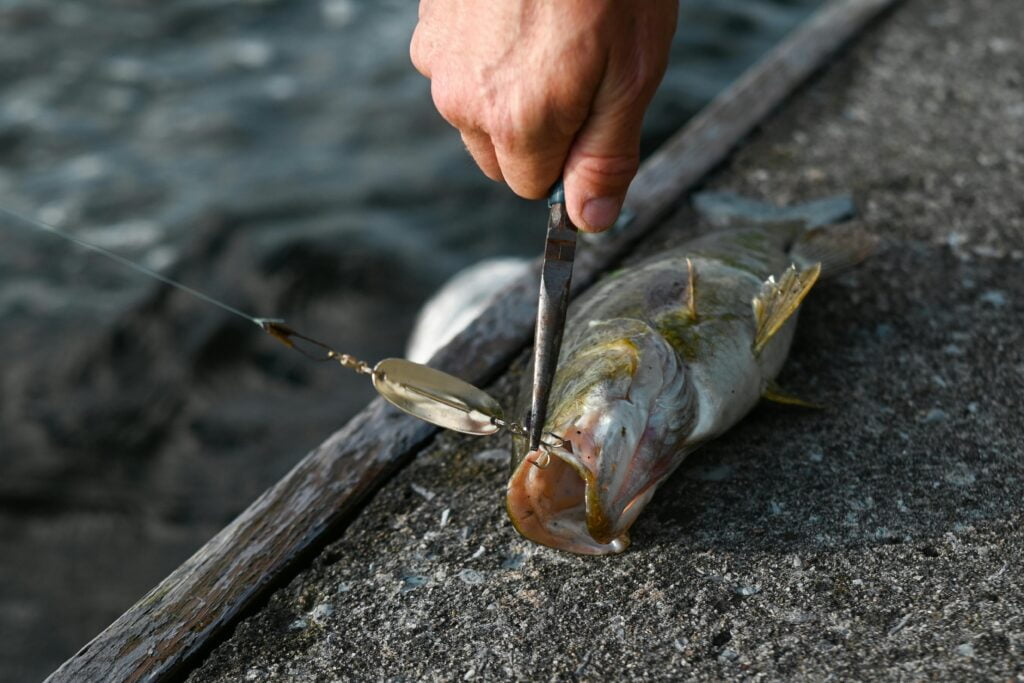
(583, 502)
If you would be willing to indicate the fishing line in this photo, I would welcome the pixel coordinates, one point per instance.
(424, 392)
(35, 224)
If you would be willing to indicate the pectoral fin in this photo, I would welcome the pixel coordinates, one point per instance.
(779, 300)
(773, 393)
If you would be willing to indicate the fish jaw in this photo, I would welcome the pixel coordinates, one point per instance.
(622, 441)
(549, 506)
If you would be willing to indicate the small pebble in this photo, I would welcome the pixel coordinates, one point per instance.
(426, 493)
(471, 577)
(935, 415)
(953, 350)
(514, 561)
(299, 624)
(1001, 46)
(815, 175)
(412, 582)
(956, 239)
(963, 477)
(965, 650)
(816, 456)
(797, 617)
(993, 297)
(900, 625)
(500, 456)
(322, 611)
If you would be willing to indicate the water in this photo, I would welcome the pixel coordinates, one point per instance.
(282, 156)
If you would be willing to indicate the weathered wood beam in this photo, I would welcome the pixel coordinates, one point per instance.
(199, 603)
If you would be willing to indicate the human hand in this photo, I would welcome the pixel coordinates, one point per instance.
(547, 88)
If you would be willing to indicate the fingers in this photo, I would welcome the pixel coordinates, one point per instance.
(600, 166)
(479, 146)
(527, 155)
(530, 169)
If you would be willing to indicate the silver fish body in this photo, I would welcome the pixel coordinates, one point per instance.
(655, 361)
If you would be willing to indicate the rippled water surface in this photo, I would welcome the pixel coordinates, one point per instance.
(283, 156)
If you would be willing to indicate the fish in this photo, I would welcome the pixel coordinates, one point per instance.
(666, 355)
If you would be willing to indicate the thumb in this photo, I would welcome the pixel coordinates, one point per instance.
(601, 164)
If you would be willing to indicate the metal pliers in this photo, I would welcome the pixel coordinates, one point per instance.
(555, 278)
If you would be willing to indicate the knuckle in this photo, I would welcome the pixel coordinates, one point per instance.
(418, 52)
(509, 129)
(520, 122)
(606, 171)
(447, 102)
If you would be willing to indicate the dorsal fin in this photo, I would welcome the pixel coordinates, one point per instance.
(779, 300)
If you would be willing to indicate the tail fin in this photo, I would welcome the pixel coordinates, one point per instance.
(820, 234)
(835, 247)
(729, 208)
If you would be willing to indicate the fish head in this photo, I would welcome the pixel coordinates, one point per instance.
(623, 404)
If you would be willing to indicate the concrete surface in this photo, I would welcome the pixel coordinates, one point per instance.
(880, 538)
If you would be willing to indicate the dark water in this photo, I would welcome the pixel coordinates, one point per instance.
(282, 156)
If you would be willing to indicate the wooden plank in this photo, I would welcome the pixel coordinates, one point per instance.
(170, 628)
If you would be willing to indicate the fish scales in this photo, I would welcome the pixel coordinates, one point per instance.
(656, 360)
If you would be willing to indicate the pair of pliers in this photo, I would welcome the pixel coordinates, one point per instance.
(555, 278)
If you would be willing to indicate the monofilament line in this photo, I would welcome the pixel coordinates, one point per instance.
(40, 226)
